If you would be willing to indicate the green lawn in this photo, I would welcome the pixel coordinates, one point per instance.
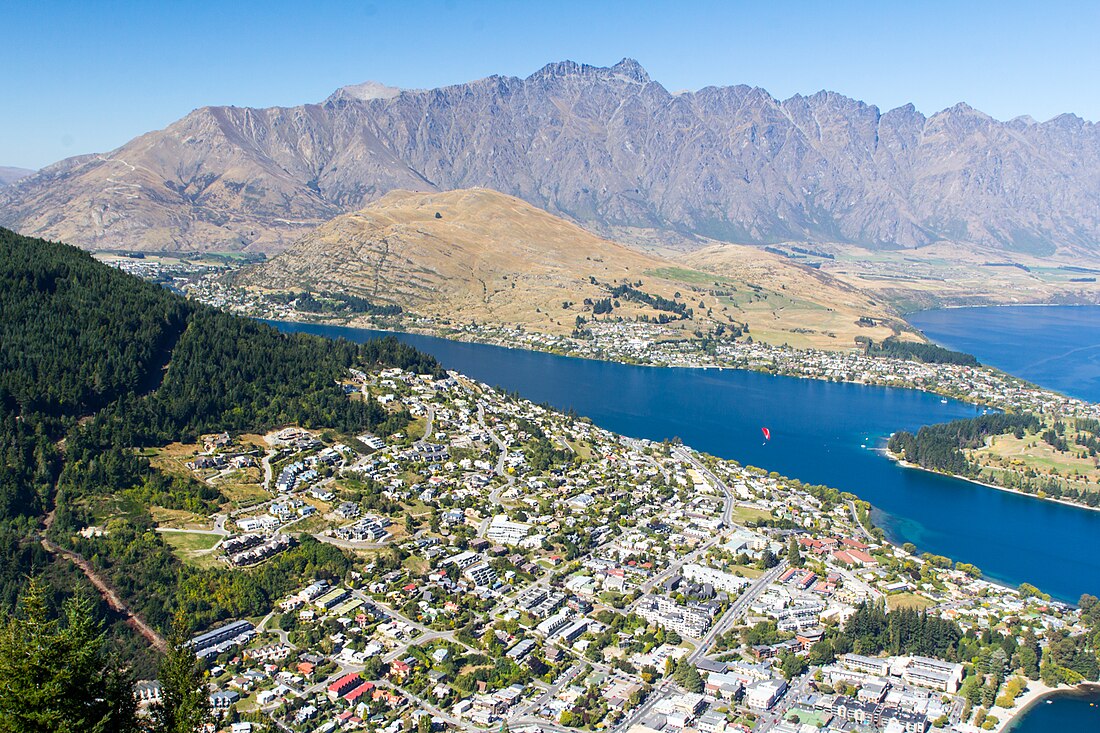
(745, 571)
(742, 514)
(685, 275)
(192, 547)
(190, 541)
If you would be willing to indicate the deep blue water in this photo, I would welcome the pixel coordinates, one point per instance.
(1071, 712)
(819, 430)
(1056, 346)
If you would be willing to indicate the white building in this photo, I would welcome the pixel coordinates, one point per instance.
(720, 580)
(506, 532)
(764, 694)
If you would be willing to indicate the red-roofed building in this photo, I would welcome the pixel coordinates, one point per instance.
(343, 685)
(862, 557)
(348, 719)
(842, 556)
(305, 668)
(354, 695)
(854, 543)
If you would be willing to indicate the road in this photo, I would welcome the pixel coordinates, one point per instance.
(563, 680)
(859, 525)
(269, 472)
(737, 609)
(499, 469)
(659, 692)
(732, 615)
(686, 455)
(429, 423)
(775, 716)
(422, 704)
(261, 628)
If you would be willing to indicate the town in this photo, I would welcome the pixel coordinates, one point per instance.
(657, 344)
(520, 567)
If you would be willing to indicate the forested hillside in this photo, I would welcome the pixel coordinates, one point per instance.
(95, 363)
(939, 447)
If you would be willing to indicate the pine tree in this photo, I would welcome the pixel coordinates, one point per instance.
(58, 676)
(184, 706)
(794, 553)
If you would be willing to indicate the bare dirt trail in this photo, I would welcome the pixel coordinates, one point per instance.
(109, 595)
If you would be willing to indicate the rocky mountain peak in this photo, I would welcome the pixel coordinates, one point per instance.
(627, 70)
(605, 147)
(364, 92)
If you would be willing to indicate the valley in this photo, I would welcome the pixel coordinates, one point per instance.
(566, 398)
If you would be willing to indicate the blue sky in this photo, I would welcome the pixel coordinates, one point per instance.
(80, 77)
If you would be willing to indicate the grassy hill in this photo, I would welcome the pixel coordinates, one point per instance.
(479, 255)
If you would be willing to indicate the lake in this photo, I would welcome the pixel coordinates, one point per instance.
(822, 432)
(1076, 712)
(1056, 346)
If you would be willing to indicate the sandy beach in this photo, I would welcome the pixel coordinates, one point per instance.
(1035, 693)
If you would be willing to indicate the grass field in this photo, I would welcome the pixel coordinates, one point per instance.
(745, 571)
(1005, 454)
(193, 547)
(190, 541)
(685, 275)
(742, 514)
(178, 519)
(908, 600)
(240, 494)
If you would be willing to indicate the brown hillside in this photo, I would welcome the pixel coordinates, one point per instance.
(479, 255)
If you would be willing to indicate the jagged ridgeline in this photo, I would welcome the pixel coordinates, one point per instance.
(95, 363)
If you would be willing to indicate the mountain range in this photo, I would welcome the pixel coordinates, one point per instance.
(608, 148)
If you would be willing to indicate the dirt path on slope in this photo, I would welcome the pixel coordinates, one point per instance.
(135, 622)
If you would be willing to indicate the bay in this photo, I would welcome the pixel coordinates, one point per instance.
(1076, 711)
(822, 432)
(1055, 346)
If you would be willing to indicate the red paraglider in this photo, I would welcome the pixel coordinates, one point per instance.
(767, 433)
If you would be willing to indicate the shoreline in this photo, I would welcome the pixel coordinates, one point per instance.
(467, 339)
(1036, 693)
(999, 305)
(1064, 502)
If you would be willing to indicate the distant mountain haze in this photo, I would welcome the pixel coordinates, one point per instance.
(608, 148)
(9, 174)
